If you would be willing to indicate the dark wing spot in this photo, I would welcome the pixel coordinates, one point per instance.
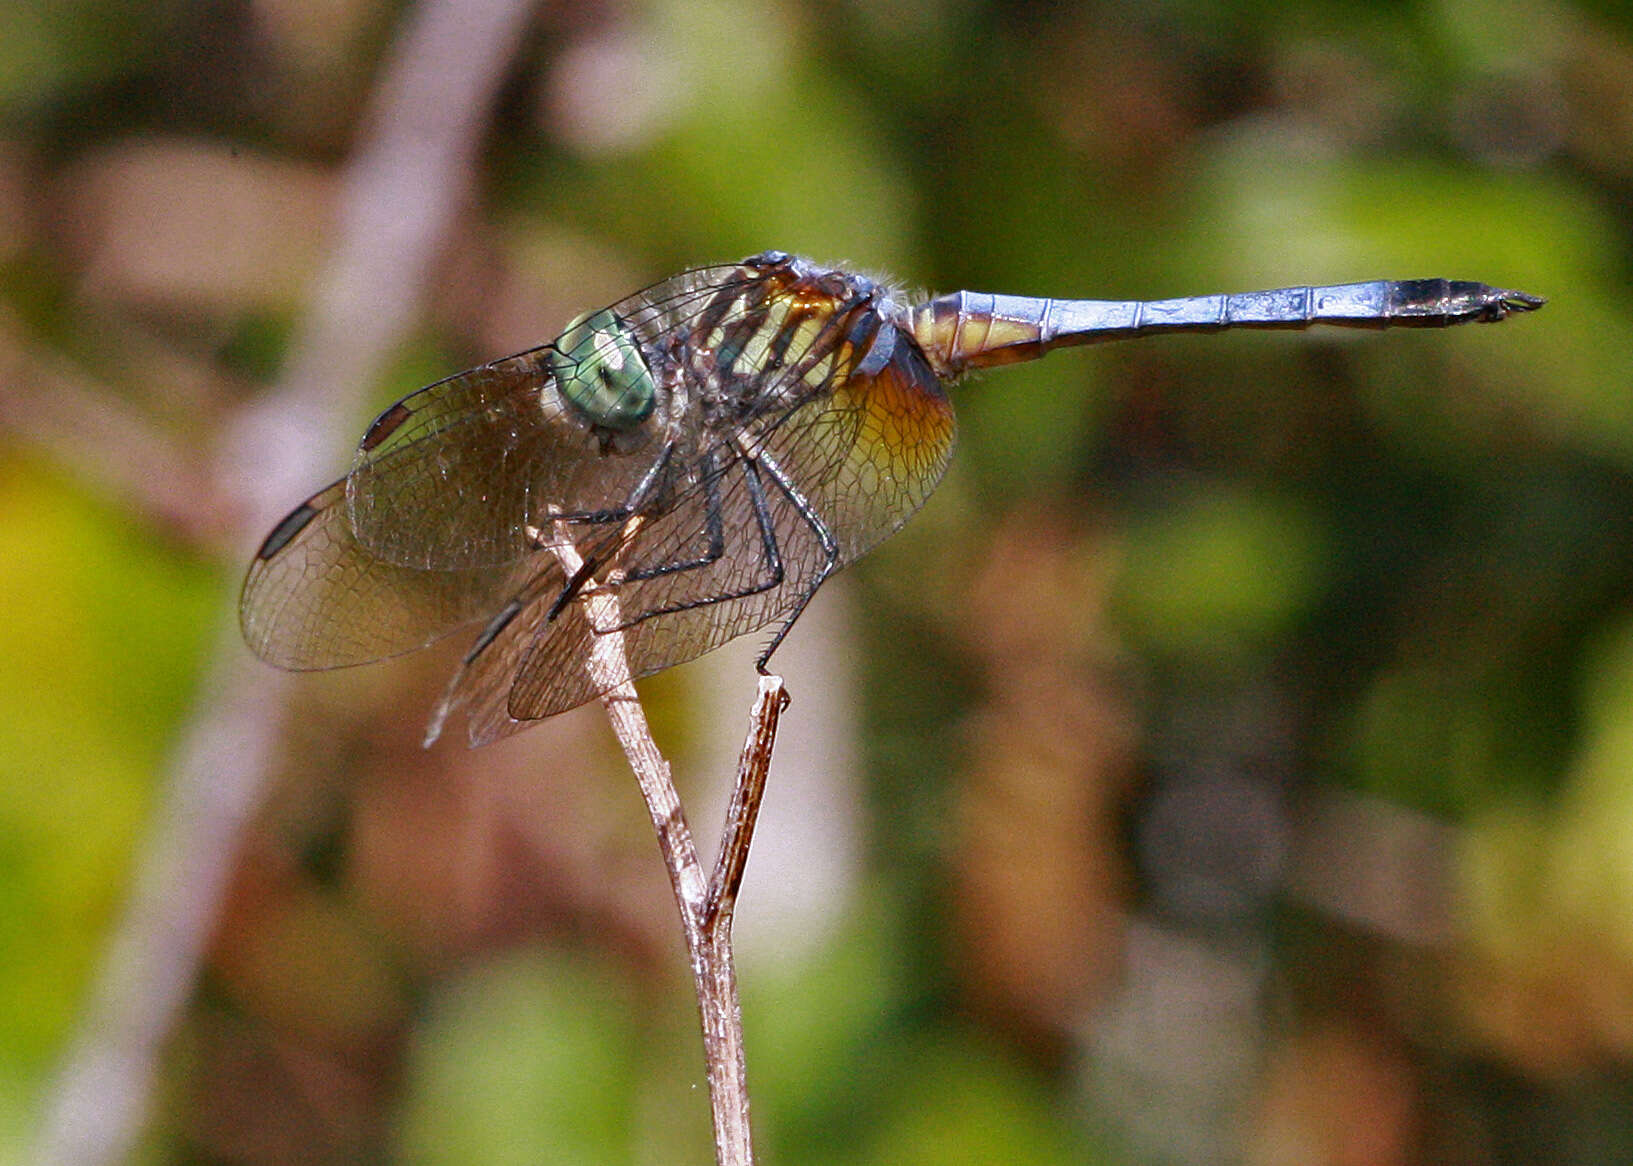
(385, 425)
(496, 625)
(293, 523)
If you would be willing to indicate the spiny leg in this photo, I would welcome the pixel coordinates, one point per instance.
(631, 508)
(770, 554)
(830, 549)
(713, 521)
(631, 516)
(631, 505)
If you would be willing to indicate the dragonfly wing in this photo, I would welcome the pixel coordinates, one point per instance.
(861, 460)
(316, 598)
(454, 475)
(462, 473)
(869, 454)
(482, 687)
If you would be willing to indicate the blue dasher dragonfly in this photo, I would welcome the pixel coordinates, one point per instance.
(708, 451)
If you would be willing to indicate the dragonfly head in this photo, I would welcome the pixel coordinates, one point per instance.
(601, 373)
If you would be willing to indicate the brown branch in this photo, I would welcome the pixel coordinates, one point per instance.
(401, 190)
(705, 905)
(744, 809)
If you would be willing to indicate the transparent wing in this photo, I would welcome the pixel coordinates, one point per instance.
(455, 475)
(859, 461)
(316, 598)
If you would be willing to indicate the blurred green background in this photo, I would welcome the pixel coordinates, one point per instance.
(1232, 763)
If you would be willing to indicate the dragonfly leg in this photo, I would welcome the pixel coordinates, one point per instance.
(629, 509)
(830, 550)
(712, 551)
(714, 525)
(770, 553)
(631, 506)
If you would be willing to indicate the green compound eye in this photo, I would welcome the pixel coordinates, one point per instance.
(599, 369)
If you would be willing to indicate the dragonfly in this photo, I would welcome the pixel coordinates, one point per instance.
(706, 453)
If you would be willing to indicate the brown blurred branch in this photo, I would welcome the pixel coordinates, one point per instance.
(401, 191)
(104, 440)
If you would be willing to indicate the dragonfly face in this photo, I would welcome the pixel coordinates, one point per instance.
(706, 452)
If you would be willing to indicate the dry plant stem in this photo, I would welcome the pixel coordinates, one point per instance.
(752, 768)
(705, 905)
(411, 170)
